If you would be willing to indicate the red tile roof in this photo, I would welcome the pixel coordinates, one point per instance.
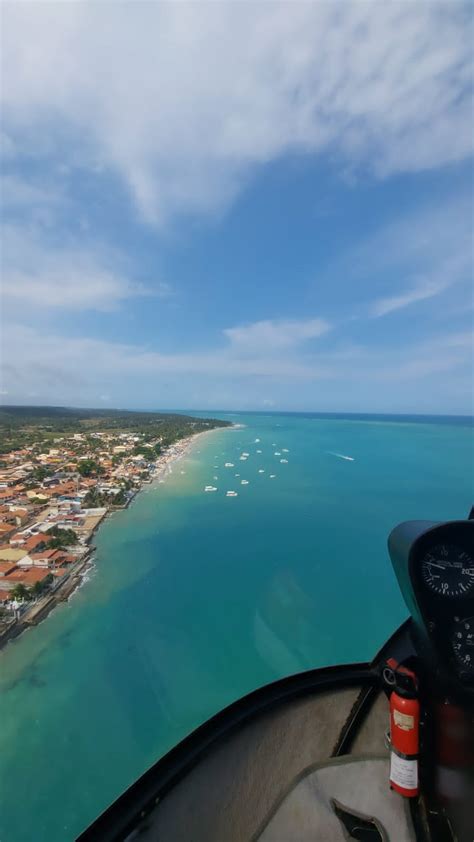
(36, 540)
(43, 554)
(27, 576)
(5, 528)
(6, 567)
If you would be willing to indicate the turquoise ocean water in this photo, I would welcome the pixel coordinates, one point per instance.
(197, 598)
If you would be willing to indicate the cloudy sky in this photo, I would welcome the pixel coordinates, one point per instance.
(238, 205)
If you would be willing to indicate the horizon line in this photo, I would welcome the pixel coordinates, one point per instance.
(268, 411)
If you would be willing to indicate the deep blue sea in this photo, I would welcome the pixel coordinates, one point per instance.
(197, 598)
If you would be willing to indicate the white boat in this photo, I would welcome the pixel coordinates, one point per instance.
(228, 465)
(284, 461)
(261, 471)
(285, 450)
(215, 477)
(237, 475)
(277, 453)
(257, 441)
(231, 494)
(243, 458)
(272, 476)
(245, 454)
(210, 488)
(244, 482)
(259, 451)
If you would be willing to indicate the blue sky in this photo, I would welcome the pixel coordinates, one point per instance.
(238, 206)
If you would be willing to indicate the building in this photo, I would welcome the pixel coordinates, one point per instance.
(6, 567)
(12, 555)
(28, 578)
(6, 530)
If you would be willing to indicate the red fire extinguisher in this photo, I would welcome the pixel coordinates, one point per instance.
(404, 731)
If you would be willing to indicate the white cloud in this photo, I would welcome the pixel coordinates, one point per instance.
(183, 100)
(29, 352)
(36, 274)
(441, 278)
(444, 353)
(68, 369)
(67, 287)
(397, 302)
(273, 335)
(421, 255)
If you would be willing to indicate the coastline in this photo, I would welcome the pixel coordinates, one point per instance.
(63, 591)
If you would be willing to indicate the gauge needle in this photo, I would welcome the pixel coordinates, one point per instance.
(433, 564)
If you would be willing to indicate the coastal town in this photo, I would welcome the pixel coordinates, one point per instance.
(55, 490)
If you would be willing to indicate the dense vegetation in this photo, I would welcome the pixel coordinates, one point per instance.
(61, 537)
(22, 426)
(21, 592)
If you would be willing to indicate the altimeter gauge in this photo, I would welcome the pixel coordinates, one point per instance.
(462, 641)
(448, 570)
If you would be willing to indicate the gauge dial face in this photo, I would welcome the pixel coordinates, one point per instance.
(462, 641)
(448, 570)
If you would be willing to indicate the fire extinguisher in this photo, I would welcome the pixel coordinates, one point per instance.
(404, 730)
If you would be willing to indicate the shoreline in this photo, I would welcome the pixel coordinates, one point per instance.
(64, 590)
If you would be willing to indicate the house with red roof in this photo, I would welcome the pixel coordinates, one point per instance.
(24, 577)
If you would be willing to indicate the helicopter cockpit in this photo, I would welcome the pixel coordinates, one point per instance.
(374, 752)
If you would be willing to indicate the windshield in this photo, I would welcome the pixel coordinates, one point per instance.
(236, 347)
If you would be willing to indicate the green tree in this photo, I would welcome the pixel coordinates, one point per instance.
(40, 587)
(20, 592)
(89, 467)
(120, 498)
(144, 450)
(94, 500)
(40, 473)
(61, 537)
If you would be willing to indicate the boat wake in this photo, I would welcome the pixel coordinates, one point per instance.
(341, 456)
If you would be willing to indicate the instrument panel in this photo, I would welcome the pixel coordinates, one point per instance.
(448, 570)
(462, 641)
(434, 563)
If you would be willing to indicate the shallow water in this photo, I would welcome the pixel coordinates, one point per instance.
(197, 598)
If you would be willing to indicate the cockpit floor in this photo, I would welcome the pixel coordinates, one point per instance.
(359, 788)
(230, 795)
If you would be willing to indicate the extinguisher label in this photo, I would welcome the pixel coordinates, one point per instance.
(403, 720)
(403, 772)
